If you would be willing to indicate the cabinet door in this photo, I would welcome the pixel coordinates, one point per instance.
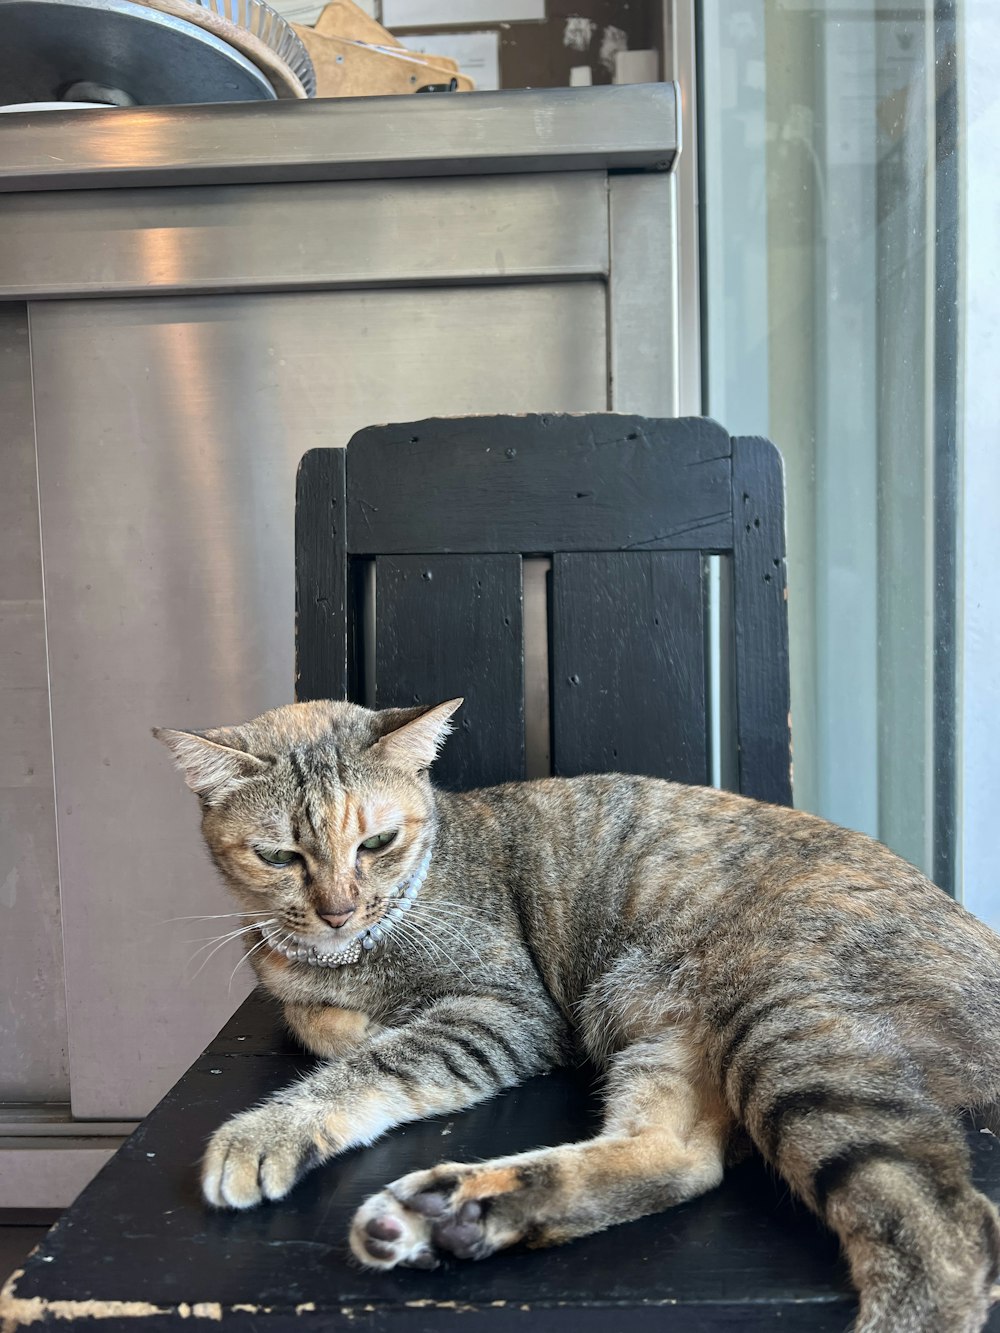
(168, 435)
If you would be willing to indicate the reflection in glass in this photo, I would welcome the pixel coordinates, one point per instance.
(830, 206)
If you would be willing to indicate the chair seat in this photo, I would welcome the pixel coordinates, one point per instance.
(139, 1241)
(630, 512)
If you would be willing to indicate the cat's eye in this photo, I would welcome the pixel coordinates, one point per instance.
(379, 840)
(276, 856)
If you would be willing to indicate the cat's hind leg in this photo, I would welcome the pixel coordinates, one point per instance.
(855, 1132)
(663, 1141)
(922, 1244)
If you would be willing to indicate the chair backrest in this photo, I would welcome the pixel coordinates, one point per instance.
(409, 558)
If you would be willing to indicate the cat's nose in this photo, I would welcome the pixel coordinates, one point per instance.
(338, 919)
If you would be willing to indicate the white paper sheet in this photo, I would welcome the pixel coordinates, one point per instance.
(477, 53)
(308, 11)
(427, 13)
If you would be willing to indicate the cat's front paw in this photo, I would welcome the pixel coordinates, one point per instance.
(449, 1210)
(260, 1154)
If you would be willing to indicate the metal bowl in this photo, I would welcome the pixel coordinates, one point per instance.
(46, 46)
(277, 33)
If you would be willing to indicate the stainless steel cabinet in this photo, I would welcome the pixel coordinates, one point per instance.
(189, 340)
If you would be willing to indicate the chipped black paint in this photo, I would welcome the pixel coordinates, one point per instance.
(741, 1258)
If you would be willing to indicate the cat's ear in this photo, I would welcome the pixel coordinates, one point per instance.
(210, 769)
(415, 735)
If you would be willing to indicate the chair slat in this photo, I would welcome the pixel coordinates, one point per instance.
(538, 484)
(448, 626)
(321, 603)
(474, 495)
(628, 665)
(760, 617)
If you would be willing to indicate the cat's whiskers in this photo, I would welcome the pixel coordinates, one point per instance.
(430, 950)
(214, 916)
(451, 918)
(231, 935)
(439, 946)
(465, 908)
(455, 911)
(450, 924)
(264, 939)
(408, 936)
(443, 917)
(449, 902)
(406, 927)
(452, 909)
(228, 935)
(451, 933)
(220, 943)
(280, 937)
(449, 950)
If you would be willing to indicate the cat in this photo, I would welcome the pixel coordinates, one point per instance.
(737, 970)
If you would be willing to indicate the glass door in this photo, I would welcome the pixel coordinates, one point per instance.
(838, 256)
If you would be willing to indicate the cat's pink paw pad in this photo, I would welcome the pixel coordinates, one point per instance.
(414, 1227)
(384, 1228)
(385, 1234)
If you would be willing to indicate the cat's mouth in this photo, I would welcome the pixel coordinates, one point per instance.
(314, 952)
(318, 953)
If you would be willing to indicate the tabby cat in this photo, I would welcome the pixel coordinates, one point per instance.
(735, 968)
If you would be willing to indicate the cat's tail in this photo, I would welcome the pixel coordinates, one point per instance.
(888, 1170)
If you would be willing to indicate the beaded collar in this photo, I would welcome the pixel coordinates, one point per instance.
(401, 900)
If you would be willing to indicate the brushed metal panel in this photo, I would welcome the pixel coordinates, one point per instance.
(35, 1173)
(48, 1120)
(681, 65)
(643, 305)
(169, 431)
(108, 242)
(33, 1059)
(555, 129)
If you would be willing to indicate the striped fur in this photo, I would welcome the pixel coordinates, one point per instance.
(737, 970)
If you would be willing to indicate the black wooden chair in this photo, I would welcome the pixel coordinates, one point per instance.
(628, 511)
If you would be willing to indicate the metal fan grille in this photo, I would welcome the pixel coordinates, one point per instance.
(267, 24)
